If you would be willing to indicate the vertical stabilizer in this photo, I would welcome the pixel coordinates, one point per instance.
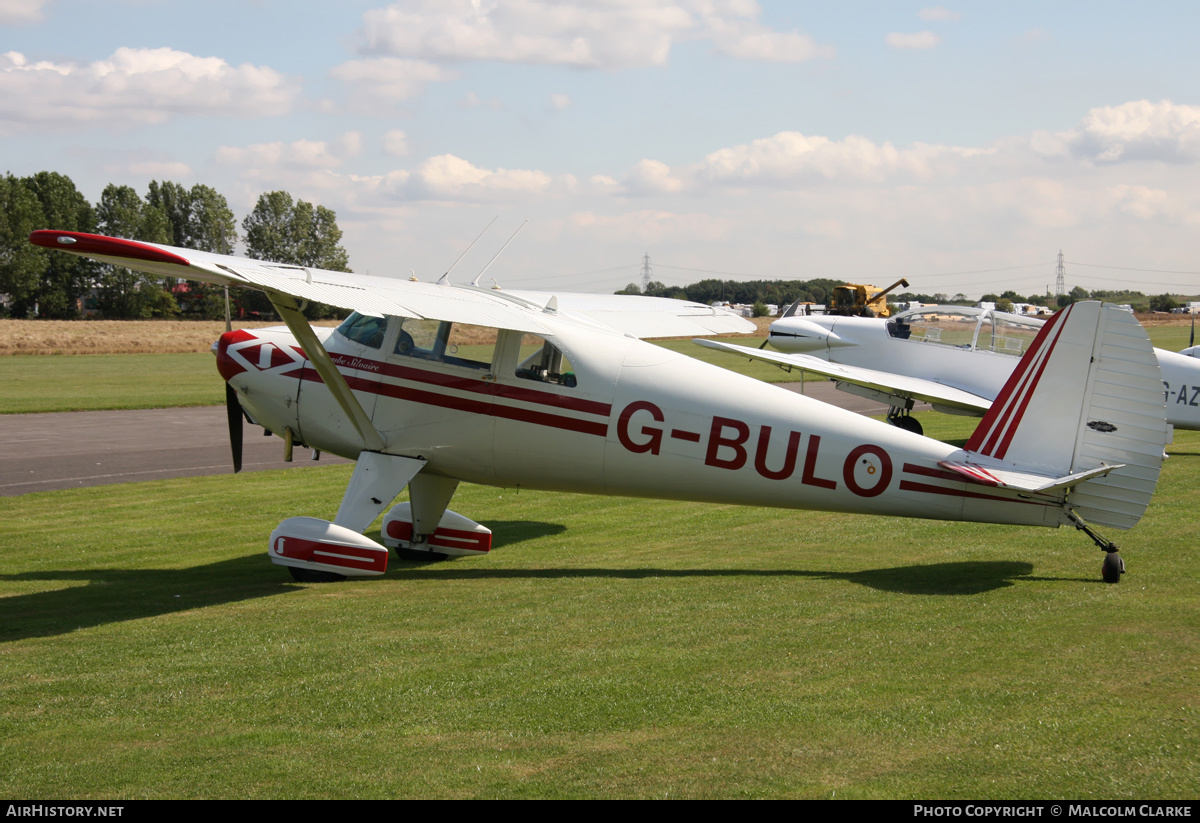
(1087, 394)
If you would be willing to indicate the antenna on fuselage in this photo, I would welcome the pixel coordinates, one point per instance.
(475, 282)
(445, 277)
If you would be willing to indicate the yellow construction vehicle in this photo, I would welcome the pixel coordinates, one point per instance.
(856, 300)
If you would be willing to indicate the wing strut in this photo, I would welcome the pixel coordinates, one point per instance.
(297, 323)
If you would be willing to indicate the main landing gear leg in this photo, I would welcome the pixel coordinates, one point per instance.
(1113, 566)
(430, 496)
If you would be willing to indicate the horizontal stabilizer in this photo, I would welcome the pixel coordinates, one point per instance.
(1022, 481)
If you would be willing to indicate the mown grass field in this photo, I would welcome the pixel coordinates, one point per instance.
(605, 648)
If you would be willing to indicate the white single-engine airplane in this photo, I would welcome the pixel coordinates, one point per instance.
(1076, 437)
(955, 357)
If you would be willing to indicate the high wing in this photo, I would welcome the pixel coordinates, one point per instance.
(642, 317)
(893, 386)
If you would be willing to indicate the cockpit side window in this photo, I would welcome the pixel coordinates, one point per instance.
(471, 347)
(946, 329)
(423, 339)
(366, 331)
(544, 362)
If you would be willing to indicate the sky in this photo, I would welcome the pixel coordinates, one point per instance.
(960, 146)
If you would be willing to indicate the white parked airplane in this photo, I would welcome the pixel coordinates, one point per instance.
(568, 397)
(955, 357)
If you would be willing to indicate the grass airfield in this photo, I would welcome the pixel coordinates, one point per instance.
(605, 648)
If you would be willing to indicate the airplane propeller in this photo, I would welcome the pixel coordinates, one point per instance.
(233, 411)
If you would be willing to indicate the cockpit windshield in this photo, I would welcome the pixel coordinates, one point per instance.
(366, 331)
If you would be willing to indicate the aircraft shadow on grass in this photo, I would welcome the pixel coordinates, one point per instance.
(116, 595)
(971, 577)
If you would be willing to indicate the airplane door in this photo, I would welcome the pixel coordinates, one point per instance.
(550, 429)
(435, 396)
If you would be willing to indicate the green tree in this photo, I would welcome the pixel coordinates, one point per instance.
(124, 293)
(1163, 302)
(1078, 293)
(199, 218)
(66, 277)
(22, 264)
(297, 233)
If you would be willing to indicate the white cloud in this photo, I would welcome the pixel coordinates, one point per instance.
(135, 87)
(133, 163)
(447, 177)
(788, 157)
(560, 102)
(580, 33)
(939, 13)
(1138, 130)
(741, 35)
(1141, 202)
(377, 84)
(264, 158)
(916, 40)
(651, 177)
(395, 143)
(20, 12)
(472, 100)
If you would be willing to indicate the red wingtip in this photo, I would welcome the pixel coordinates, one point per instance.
(80, 243)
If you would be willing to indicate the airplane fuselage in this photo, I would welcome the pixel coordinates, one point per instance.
(633, 419)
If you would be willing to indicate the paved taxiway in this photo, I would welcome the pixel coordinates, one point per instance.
(41, 452)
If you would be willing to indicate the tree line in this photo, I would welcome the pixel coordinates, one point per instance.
(41, 283)
(820, 291)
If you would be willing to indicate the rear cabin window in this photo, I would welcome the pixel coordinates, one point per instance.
(366, 331)
(544, 362)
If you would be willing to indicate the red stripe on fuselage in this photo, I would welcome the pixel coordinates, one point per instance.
(910, 486)
(941, 474)
(466, 404)
(473, 384)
